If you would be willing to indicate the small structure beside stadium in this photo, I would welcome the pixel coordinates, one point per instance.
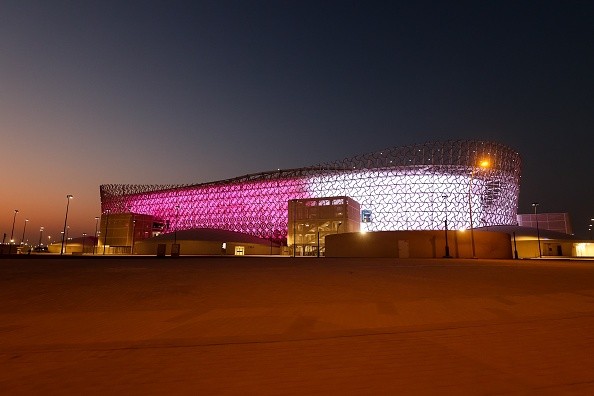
(204, 241)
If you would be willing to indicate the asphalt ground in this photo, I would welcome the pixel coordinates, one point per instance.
(295, 326)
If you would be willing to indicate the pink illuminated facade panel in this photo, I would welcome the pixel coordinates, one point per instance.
(406, 188)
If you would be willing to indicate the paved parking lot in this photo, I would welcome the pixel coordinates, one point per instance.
(295, 326)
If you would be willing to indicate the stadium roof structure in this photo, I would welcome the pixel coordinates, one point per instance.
(416, 187)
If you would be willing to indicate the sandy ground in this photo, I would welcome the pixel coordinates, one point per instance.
(304, 326)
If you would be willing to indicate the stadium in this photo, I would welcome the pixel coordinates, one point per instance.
(466, 184)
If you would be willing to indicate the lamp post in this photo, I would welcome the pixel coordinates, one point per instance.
(40, 234)
(318, 241)
(515, 247)
(68, 198)
(447, 246)
(67, 238)
(535, 206)
(83, 244)
(24, 228)
(175, 230)
(133, 229)
(12, 232)
(13, 220)
(482, 164)
(106, 225)
(294, 229)
(95, 241)
(338, 226)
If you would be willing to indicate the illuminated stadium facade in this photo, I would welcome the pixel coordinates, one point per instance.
(404, 188)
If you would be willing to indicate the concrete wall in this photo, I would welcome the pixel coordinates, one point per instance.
(419, 244)
(549, 248)
(149, 247)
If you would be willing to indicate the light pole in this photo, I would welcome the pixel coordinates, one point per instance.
(12, 232)
(535, 205)
(105, 236)
(133, 230)
(318, 241)
(483, 164)
(68, 198)
(338, 226)
(83, 244)
(95, 241)
(67, 238)
(40, 235)
(24, 228)
(175, 231)
(447, 246)
(13, 220)
(294, 234)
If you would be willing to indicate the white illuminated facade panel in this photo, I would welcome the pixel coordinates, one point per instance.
(405, 201)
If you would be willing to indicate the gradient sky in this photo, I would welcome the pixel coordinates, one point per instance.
(99, 92)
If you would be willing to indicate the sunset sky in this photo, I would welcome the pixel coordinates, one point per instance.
(162, 92)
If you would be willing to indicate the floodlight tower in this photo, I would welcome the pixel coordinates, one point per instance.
(24, 228)
(13, 220)
(68, 198)
(483, 164)
(535, 205)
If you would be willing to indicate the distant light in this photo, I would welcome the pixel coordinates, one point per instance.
(462, 229)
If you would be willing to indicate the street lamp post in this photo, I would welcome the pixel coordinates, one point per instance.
(175, 247)
(24, 228)
(175, 230)
(12, 232)
(133, 229)
(294, 229)
(482, 164)
(106, 225)
(535, 205)
(338, 226)
(447, 246)
(67, 238)
(40, 235)
(68, 198)
(318, 241)
(95, 241)
(83, 244)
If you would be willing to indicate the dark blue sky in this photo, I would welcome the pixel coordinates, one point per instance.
(185, 92)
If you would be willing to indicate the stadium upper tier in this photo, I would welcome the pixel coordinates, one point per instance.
(404, 188)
